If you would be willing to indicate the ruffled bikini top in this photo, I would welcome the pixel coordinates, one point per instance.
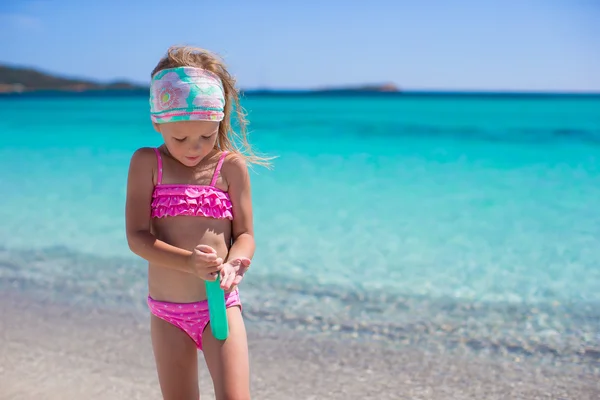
(195, 200)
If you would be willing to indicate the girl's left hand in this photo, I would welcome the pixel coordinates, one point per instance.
(233, 272)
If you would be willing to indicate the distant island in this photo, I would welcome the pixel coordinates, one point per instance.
(385, 87)
(23, 80)
(15, 81)
(341, 90)
(20, 80)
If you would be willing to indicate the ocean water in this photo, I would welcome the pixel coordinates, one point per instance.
(437, 220)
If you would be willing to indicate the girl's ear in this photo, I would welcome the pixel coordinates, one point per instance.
(156, 127)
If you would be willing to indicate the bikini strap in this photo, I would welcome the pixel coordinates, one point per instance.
(159, 161)
(218, 169)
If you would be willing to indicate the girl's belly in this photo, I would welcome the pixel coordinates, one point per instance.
(166, 284)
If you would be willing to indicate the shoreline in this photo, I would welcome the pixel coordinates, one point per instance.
(66, 352)
(550, 333)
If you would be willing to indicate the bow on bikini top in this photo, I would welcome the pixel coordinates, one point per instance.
(196, 200)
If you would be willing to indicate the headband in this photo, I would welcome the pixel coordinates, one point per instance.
(186, 94)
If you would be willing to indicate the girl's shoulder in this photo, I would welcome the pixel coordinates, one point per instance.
(144, 158)
(145, 155)
(234, 167)
(233, 157)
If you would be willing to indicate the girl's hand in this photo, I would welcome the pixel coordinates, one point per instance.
(233, 272)
(204, 262)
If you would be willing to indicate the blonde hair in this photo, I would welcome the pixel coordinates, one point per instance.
(188, 56)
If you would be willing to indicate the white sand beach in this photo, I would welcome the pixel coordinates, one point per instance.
(54, 352)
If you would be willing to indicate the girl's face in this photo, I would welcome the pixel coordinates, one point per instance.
(189, 141)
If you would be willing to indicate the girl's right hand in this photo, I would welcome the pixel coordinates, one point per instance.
(204, 262)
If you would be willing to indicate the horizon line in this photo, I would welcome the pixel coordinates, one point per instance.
(137, 91)
(349, 88)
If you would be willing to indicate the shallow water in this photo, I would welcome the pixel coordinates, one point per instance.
(459, 220)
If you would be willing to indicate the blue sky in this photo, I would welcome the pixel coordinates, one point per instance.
(527, 45)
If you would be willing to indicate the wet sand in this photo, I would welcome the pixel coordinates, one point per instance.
(51, 351)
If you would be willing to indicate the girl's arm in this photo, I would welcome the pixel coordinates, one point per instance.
(236, 174)
(140, 184)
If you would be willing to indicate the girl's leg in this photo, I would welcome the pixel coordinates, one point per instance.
(228, 361)
(176, 358)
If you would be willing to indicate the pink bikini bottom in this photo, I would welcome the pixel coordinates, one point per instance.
(192, 318)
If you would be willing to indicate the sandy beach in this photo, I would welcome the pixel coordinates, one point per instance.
(51, 351)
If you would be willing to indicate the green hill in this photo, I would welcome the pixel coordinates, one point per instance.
(16, 79)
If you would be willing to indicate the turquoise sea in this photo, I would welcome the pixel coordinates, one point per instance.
(431, 220)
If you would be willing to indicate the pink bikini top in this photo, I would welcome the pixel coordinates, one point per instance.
(196, 200)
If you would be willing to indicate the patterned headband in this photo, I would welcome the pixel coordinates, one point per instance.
(186, 94)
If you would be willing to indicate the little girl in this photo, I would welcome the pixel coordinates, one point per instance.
(189, 213)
